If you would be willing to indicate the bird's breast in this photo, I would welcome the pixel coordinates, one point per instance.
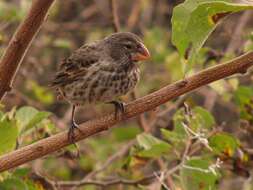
(117, 83)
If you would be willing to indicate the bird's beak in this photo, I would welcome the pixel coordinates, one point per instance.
(142, 54)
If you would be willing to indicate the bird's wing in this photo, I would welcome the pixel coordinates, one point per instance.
(76, 66)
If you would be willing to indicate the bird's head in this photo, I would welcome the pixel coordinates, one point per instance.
(124, 44)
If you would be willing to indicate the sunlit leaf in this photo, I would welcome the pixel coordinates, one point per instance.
(8, 135)
(153, 147)
(28, 117)
(200, 121)
(193, 21)
(155, 151)
(202, 118)
(223, 143)
(196, 174)
(171, 136)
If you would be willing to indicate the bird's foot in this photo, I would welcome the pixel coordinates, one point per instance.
(71, 132)
(119, 108)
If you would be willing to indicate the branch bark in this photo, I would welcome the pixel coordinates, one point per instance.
(146, 103)
(114, 17)
(20, 43)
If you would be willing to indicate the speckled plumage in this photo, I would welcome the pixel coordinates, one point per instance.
(100, 71)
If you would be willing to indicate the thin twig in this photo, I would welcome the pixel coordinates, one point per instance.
(134, 15)
(115, 17)
(107, 183)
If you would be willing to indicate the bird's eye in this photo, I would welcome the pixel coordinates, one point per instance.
(128, 46)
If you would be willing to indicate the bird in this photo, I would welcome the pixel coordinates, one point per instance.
(100, 71)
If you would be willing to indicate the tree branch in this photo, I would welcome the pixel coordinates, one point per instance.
(114, 17)
(20, 42)
(146, 103)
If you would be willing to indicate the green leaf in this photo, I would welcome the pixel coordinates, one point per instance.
(155, 151)
(21, 172)
(153, 147)
(28, 117)
(172, 136)
(243, 95)
(125, 133)
(201, 121)
(202, 118)
(35, 185)
(37, 119)
(193, 21)
(178, 135)
(223, 143)
(8, 135)
(13, 184)
(196, 174)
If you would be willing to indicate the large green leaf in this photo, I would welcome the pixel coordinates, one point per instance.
(200, 121)
(223, 143)
(28, 117)
(197, 175)
(8, 135)
(194, 20)
(153, 147)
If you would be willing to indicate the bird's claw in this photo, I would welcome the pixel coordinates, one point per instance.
(71, 132)
(119, 107)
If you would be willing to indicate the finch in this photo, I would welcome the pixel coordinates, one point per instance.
(101, 71)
